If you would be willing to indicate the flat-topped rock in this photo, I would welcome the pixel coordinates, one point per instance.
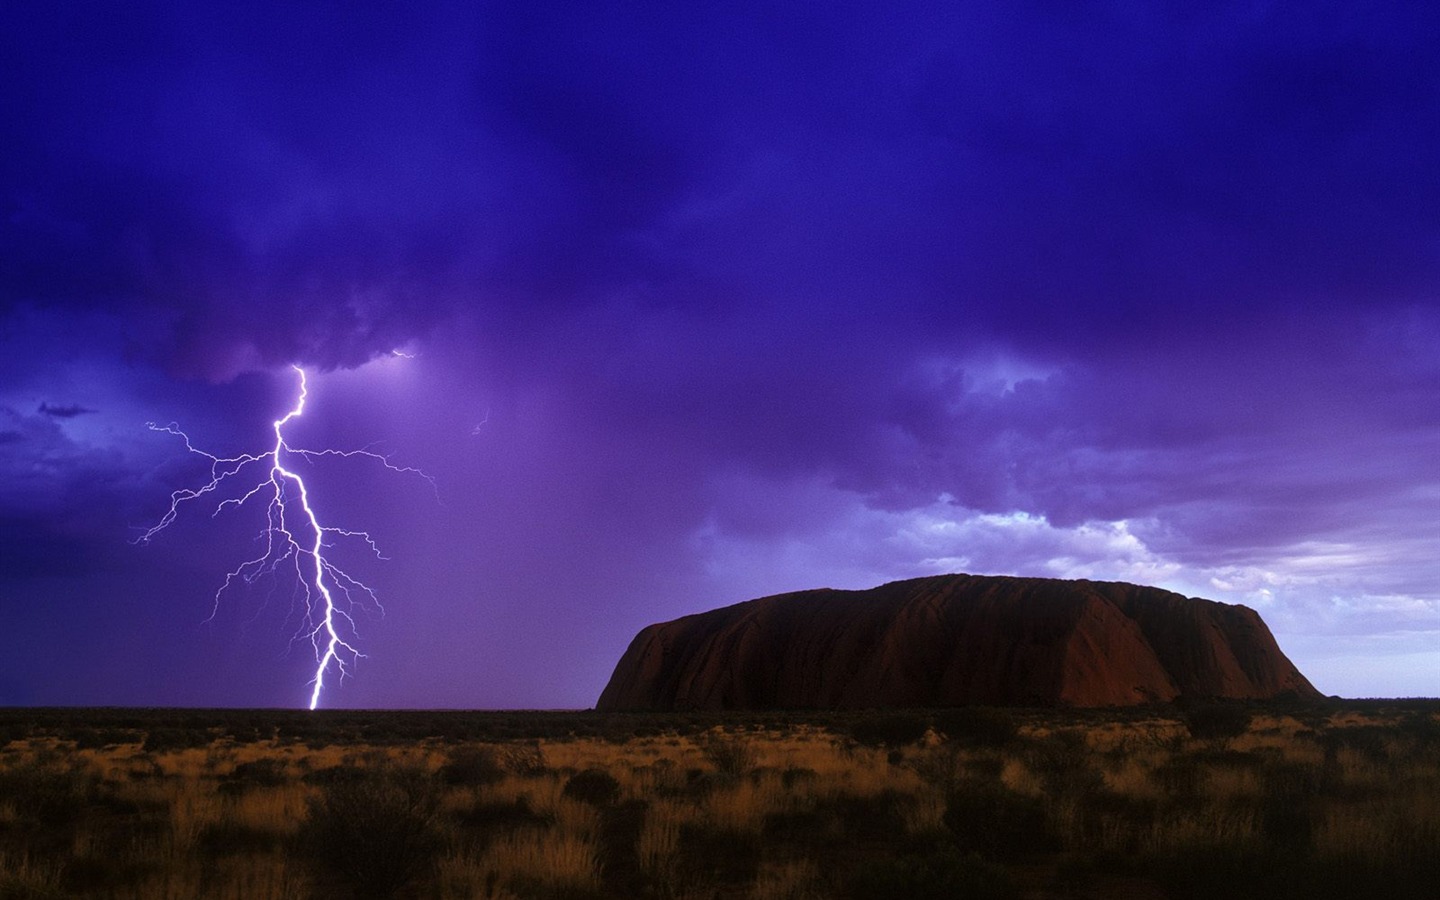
(954, 640)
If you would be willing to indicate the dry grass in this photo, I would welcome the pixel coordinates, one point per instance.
(1226, 784)
(277, 810)
(793, 880)
(467, 877)
(23, 876)
(741, 807)
(1020, 778)
(267, 877)
(192, 810)
(545, 861)
(1133, 776)
(925, 815)
(1211, 827)
(658, 846)
(788, 814)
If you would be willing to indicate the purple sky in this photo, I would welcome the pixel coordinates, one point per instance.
(703, 306)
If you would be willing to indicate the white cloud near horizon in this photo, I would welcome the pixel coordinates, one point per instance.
(1332, 606)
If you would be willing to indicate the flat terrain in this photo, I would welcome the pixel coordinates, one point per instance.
(1334, 799)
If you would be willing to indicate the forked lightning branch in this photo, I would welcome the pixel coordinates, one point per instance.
(293, 541)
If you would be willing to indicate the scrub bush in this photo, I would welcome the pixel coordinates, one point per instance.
(944, 875)
(373, 835)
(593, 786)
(889, 731)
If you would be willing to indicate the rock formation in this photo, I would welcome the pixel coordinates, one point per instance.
(952, 640)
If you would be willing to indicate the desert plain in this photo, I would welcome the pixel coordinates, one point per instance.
(1318, 799)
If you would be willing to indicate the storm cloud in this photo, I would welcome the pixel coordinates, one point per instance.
(747, 299)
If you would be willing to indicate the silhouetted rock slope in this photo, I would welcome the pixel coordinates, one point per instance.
(952, 640)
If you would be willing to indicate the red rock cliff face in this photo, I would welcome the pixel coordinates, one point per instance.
(952, 640)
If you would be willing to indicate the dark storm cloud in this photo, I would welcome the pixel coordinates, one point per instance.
(224, 179)
(276, 186)
(65, 507)
(1147, 170)
(43, 471)
(63, 410)
(1040, 267)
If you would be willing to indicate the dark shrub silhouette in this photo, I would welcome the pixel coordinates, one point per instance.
(593, 786)
(944, 875)
(265, 772)
(981, 726)
(889, 731)
(731, 756)
(998, 823)
(1065, 764)
(372, 836)
(1217, 722)
(158, 740)
(486, 821)
(473, 767)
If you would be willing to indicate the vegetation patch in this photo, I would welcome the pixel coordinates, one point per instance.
(373, 836)
(897, 730)
(946, 875)
(1307, 801)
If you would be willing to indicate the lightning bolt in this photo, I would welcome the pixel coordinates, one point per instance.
(293, 538)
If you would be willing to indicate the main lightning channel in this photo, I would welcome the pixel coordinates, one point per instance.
(325, 583)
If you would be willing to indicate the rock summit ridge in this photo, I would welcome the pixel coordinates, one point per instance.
(954, 640)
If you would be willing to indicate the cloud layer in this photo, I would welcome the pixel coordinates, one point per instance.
(701, 304)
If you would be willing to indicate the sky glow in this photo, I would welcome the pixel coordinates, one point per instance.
(681, 306)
